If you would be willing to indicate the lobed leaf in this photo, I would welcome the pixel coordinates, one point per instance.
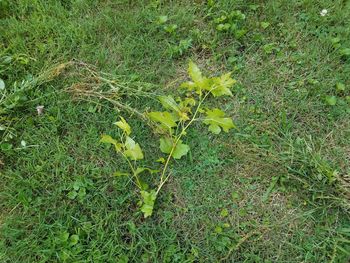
(222, 85)
(216, 121)
(133, 150)
(166, 119)
(181, 149)
(148, 199)
(218, 86)
(198, 83)
(166, 144)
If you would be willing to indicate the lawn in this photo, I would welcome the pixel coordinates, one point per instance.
(274, 188)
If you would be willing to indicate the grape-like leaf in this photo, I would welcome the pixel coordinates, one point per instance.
(216, 121)
(148, 199)
(166, 119)
(165, 144)
(122, 124)
(222, 85)
(198, 82)
(133, 150)
(109, 139)
(181, 149)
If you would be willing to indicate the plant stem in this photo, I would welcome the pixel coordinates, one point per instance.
(132, 170)
(162, 180)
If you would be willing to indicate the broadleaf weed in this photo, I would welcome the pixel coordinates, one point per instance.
(172, 125)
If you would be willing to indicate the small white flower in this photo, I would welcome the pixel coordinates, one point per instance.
(323, 12)
(40, 109)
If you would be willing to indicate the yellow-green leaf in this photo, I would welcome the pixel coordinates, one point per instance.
(108, 139)
(122, 124)
(166, 119)
(180, 111)
(198, 82)
(166, 144)
(331, 100)
(181, 149)
(222, 85)
(194, 72)
(133, 150)
(169, 103)
(224, 212)
(119, 173)
(188, 102)
(216, 121)
(161, 160)
(148, 199)
(190, 85)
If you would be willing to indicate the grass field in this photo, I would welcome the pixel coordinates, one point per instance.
(274, 189)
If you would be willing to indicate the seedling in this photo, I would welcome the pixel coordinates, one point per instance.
(340, 87)
(231, 23)
(180, 49)
(170, 28)
(265, 25)
(162, 20)
(331, 100)
(172, 125)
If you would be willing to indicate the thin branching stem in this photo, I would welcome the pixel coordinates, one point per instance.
(162, 179)
(132, 170)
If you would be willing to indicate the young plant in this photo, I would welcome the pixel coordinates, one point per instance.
(231, 22)
(172, 125)
(180, 49)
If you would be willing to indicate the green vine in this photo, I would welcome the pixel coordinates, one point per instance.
(172, 125)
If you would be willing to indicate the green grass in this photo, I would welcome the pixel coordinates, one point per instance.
(274, 190)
